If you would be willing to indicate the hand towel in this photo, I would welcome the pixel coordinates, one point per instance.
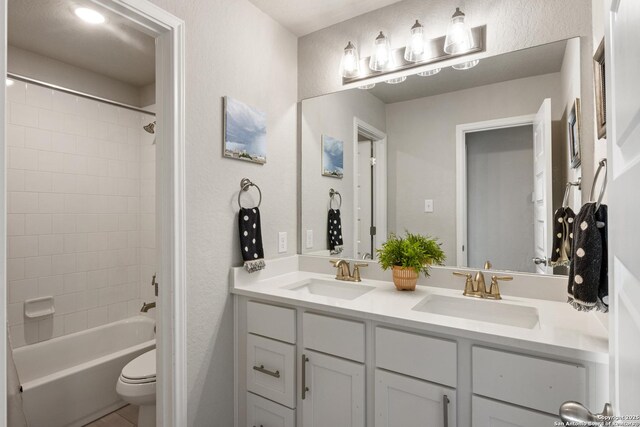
(334, 228)
(251, 239)
(562, 236)
(588, 272)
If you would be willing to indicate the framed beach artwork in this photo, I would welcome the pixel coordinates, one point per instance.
(332, 157)
(245, 132)
(573, 134)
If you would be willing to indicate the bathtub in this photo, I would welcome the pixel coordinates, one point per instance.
(71, 380)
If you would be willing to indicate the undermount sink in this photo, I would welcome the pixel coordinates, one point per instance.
(330, 288)
(483, 310)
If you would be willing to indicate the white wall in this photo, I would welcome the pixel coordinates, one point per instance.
(422, 149)
(232, 48)
(332, 115)
(73, 211)
(49, 70)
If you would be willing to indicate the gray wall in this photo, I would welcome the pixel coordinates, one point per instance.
(332, 115)
(219, 34)
(422, 149)
(499, 206)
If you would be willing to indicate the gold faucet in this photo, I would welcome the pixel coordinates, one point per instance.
(344, 270)
(477, 287)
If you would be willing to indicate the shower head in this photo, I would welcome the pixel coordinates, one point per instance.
(151, 127)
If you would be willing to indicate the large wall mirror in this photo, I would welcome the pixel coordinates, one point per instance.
(478, 158)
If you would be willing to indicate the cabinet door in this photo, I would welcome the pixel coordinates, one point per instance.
(264, 413)
(408, 402)
(489, 413)
(336, 391)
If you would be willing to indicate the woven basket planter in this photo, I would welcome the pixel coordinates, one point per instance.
(405, 278)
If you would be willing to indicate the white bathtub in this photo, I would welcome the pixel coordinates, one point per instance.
(71, 380)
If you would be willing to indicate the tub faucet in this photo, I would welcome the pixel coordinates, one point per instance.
(147, 306)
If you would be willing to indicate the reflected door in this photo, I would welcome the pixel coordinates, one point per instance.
(542, 188)
(366, 197)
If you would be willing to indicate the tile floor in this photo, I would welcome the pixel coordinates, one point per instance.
(123, 417)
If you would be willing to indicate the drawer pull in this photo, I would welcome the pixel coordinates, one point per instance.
(445, 410)
(261, 369)
(305, 389)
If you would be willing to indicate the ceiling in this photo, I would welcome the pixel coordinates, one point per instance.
(530, 62)
(302, 17)
(114, 49)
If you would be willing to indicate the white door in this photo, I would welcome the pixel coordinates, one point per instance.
(403, 401)
(490, 413)
(623, 136)
(365, 196)
(336, 392)
(542, 190)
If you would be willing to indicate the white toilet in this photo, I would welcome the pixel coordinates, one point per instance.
(137, 386)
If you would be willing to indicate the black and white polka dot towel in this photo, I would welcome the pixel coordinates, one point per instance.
(588, 271)
(334, 228)
(251, 239)
(563, 220)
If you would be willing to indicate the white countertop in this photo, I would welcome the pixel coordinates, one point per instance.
(561, 331)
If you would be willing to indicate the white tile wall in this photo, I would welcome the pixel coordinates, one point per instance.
(81, 196)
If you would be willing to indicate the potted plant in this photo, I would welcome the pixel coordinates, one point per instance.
(408, 256)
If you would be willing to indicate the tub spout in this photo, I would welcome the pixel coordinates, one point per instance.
(147, 306)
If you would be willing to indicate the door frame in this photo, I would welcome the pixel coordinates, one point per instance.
(461, 173)
(379, 141)
(169, 32)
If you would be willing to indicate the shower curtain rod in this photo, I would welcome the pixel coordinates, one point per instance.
(77, 93)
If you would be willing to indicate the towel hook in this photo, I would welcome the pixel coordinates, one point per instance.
(245, 184)
(602, 164)
(567, 190)
(332, 194)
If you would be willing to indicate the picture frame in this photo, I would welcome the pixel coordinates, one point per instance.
(332, 157)
(599, 77)
(573, 133)
(244, 131)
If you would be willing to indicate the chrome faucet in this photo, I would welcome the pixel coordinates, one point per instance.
(344, 271)
(477, 287)
(147, 306)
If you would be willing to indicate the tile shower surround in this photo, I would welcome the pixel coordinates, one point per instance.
(81, 203)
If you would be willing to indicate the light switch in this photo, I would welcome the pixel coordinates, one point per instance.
(282, 242)
(428, 205)
(309, 239)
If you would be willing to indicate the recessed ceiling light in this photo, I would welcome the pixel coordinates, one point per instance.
(89, 15)
(9, 82)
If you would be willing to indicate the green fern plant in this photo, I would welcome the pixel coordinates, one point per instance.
(411, 251)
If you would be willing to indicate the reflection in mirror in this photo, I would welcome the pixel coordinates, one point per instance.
(477, 158)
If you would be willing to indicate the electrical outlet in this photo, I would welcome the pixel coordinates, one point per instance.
(309, 239)
(282, 242)
(428, 205)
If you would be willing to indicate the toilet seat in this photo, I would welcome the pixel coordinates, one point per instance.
(141, 370)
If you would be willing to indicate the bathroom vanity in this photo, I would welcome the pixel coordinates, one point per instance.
(314, 351)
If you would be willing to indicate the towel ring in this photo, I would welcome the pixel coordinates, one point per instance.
(332, 194)
(567, 190)
(601, 164)
(245, 184)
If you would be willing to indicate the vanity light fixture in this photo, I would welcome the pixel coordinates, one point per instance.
(89, 16)
(416, 46)
(459, 38)
(9, 82)
(429, 72)
(381, 59)
(369, 86)
(350, 61)
(396, 80)
(465, 65)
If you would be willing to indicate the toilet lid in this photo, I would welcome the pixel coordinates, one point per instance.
(142, 367)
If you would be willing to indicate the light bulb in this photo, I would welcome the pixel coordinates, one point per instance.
(350, 61)
(381, 59)
(459, 38)
(415, 47)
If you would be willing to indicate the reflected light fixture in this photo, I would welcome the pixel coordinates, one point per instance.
(465, 65)
(429, 72)
(459, 38)
(89, 16)
(367, 86)
(381, 58)
(415, 47)
(350, 61)
(9, 82)
(396, 80)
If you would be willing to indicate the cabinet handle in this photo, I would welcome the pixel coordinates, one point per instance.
(305, 389)
(445, 409)
(261, 368)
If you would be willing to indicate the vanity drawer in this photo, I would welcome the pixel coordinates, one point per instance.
(271, 321)
(489, 413)
(528, 381)
(431, 359)
(264, 413)
(343, 338)
(271, 369)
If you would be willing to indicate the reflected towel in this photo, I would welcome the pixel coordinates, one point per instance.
(334, 228)
(251, 239)
(562, 236)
